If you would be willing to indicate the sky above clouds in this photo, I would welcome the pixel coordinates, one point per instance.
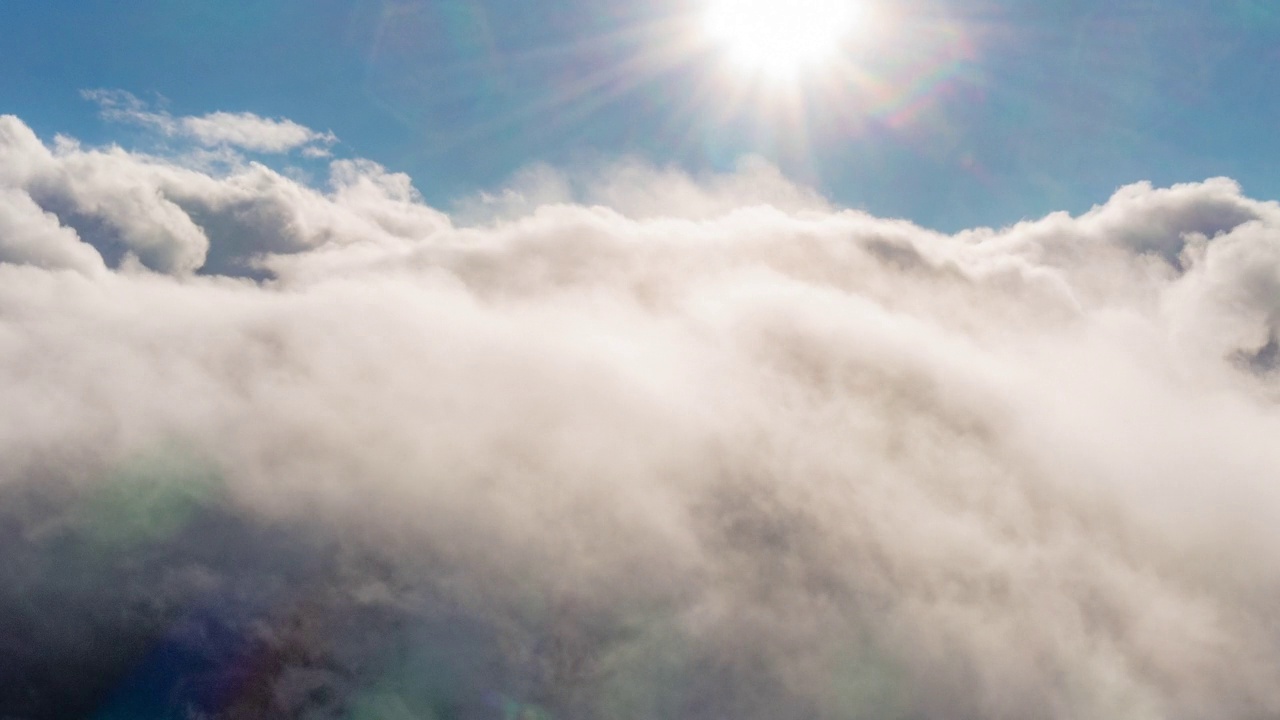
(466, 360)
(960, 113)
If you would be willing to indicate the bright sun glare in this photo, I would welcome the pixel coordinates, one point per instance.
(779, 38)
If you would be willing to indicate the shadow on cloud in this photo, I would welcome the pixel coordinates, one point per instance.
(635, 446)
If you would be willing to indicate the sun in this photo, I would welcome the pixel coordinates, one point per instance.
(780, 38)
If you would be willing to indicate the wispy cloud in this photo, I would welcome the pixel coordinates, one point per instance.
(245, 131)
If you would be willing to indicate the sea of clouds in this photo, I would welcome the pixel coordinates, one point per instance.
(623, 444)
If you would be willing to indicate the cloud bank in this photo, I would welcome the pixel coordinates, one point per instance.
(629, 449)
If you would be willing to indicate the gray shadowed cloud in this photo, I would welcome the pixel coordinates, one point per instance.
(640, 446)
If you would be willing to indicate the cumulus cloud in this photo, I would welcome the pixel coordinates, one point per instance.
(274, 450)
(176, 218)
(244, 130)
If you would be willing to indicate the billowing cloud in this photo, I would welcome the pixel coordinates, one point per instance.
(279, 451)
(245, 131)
(178, 219)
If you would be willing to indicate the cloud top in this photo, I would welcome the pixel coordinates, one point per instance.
(636, 450)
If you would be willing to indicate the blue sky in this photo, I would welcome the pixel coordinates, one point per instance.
(991, 111)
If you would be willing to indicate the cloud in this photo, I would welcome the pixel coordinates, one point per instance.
(276, 450)
(640, 191)
(177, 218)
(245, 131)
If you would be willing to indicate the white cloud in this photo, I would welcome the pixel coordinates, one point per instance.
(30, 235)
(640, 191)
(682, 457)
(251, 132)
(245, 131)
(166, 214)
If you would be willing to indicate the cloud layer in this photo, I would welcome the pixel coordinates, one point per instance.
(645, 446)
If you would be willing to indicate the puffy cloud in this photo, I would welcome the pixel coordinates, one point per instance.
(768, 459)
(179, 218)
(30, 235)
(246, 131)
